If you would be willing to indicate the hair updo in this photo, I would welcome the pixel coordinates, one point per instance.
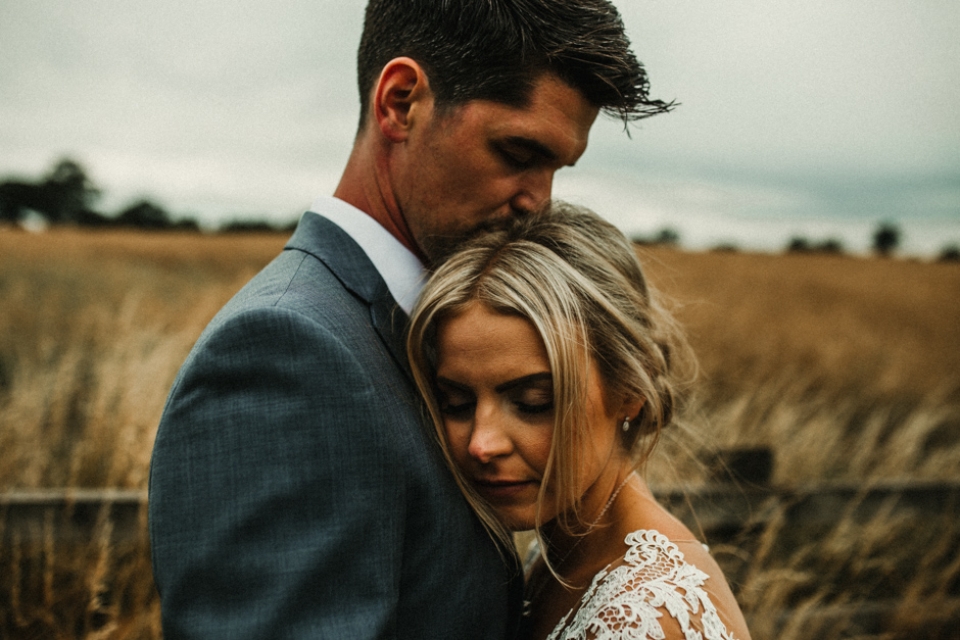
(577, 280)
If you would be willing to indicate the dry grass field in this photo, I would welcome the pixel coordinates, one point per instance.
(846, 367)
(849, 368)
(93, 328)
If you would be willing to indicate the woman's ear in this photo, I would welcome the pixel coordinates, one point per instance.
(630, 409)
(401, 95)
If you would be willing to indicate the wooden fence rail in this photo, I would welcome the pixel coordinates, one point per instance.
(721, 512)
(72, 516)
(727, 515)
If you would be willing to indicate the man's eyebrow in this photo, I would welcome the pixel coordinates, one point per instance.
(533, 145)
(525, 381)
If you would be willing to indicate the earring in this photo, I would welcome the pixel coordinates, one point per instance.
(626, 424)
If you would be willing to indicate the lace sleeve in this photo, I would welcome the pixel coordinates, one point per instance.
(629, 600)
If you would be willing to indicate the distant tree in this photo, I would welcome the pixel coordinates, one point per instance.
(64, 195)
(289, 227)
(950, 253)
(17, 198)
(91, 218)
(257, 226)
(666, 236)
(185, 224)
(799, 244)
(725, 247)
(71, 192)
(247, 226)
(144, 214)
(886, 238)
(830, 245)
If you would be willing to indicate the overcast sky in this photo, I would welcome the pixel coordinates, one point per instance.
(820, 118)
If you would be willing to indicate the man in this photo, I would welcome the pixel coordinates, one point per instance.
(295, 491)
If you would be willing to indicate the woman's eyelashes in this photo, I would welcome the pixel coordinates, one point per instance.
(533, 400)
(535, 408)
(460, 405)
(456, 405)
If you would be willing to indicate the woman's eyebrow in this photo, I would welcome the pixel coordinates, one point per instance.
(454, 385)
(525, 381)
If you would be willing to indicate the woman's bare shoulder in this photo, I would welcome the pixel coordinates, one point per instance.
(655, 592)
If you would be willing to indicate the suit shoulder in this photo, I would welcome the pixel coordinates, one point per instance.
(295, 282)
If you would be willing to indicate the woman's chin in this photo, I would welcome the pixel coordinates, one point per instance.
(515, 522)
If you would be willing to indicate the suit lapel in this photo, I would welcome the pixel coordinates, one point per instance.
(392, 323)
(331, 245)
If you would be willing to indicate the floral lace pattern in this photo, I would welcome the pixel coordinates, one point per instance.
(627, 601)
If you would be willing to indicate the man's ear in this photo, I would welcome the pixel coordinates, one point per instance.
(401, 95)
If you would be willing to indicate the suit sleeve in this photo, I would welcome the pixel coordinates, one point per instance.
(276, 498)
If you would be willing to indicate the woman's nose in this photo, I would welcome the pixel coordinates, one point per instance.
(488, 440)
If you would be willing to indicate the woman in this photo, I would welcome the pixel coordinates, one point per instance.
(549, 373)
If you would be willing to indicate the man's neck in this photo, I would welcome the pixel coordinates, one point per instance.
(365, 185)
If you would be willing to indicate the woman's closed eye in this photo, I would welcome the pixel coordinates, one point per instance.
(533, 400)
(459, 411)
(530, 395)
(455, 403)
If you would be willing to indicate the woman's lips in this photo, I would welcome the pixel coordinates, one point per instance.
(498, 489)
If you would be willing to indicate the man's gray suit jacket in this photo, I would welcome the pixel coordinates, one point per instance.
(294, 489)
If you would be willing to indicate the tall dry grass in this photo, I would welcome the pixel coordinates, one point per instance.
(55, 589)
(848, 370)
(93, 329)
(846, 367)
(846, 325)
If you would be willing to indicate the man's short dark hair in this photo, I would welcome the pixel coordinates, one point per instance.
(496, 49)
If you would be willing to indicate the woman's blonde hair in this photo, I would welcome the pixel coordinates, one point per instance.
(577, 279)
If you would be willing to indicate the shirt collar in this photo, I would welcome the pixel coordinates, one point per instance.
(403, 272)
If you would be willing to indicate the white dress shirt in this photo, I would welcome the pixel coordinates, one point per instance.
(403, 272)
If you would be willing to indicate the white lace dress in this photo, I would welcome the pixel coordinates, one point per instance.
(627, 600)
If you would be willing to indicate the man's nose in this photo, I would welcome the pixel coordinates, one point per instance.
(534, 192)
(488, 440)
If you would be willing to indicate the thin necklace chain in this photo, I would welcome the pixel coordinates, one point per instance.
(613, 496)
(543, 583)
